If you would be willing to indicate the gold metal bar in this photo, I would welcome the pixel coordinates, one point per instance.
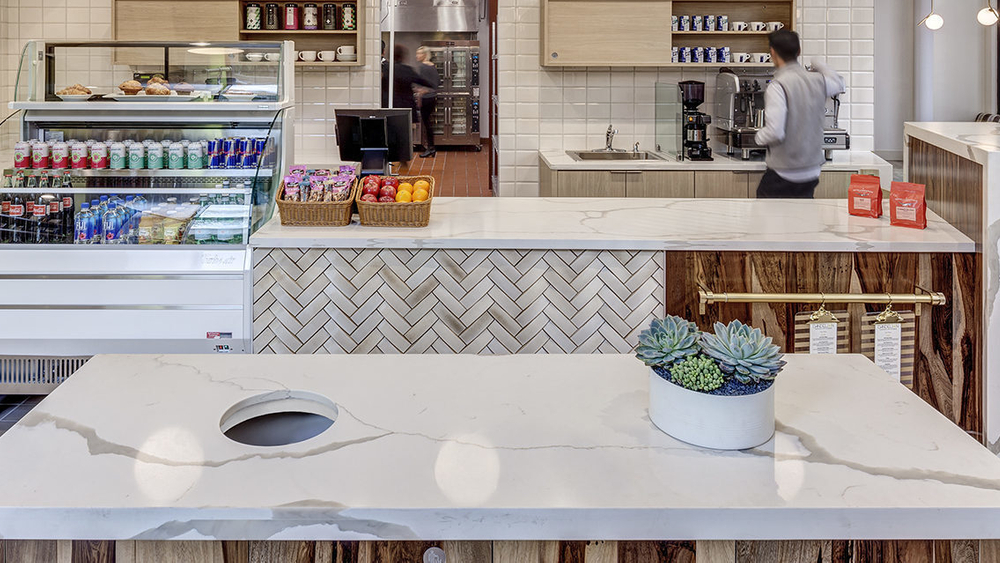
(707, 297)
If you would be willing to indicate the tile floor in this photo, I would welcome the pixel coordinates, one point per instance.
(457, 171)
(13, 407)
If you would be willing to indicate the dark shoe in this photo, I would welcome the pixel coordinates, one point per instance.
(428, 152)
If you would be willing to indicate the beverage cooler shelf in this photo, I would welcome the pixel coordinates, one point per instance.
(151, 173)
(105, 189)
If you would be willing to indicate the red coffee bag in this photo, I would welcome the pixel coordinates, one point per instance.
(907, 206)
(864, 196)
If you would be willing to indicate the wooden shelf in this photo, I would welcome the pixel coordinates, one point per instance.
(731, 33)
(332, 63)
(298, 32)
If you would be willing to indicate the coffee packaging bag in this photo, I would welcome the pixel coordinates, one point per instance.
(907, 206)
(864, 196)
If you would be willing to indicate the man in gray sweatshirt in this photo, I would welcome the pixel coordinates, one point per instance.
(795, 103)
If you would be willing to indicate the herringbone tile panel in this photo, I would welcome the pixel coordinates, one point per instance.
(453, 301)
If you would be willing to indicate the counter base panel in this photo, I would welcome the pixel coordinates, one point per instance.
(824, 551)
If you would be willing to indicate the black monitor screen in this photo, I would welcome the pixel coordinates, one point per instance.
(375, 129)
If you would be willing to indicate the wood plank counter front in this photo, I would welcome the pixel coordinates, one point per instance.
(441, 450)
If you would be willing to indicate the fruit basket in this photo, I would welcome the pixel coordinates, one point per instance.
(397, 214)
(317, 213)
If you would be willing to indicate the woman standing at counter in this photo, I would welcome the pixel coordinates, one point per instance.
(795, 104)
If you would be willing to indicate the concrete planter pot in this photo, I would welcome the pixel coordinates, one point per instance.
(711, 421)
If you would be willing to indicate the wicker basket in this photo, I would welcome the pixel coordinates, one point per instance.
(317, 213)
(412, 214)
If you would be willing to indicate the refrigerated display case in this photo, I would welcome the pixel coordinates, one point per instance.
(168, 269)
(456, 118)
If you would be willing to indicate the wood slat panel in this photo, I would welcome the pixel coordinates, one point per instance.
(954, 186)
(660, 551)
(236, 551)
(989, 551)
(282, 551)
(956, 551)
(525, 552)
(967, 344)
(769, 275)
(716, 551)
(893, 552)
(35, 551)
(179, 552)
(90, 551)
(601, 552)
(471, 551)
(347, 552)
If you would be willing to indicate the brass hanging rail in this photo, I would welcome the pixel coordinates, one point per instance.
(708, 297)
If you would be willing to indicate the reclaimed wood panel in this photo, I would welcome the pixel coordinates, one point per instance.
(956, 551)
(954, 186)
(968, 344)
(716, 551)
(34, 551)
(282, 551)
(902, 551)
(525, 552)
(660, 551)
(91, 551)
(346, 552)
(236, 551)
(989, 551)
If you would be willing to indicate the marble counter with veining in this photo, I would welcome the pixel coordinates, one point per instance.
(474, 447)
(632, 224)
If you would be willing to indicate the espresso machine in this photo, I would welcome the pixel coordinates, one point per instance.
(739, 113)
(694, 124)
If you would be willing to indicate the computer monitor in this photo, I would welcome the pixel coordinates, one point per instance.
(375, 137)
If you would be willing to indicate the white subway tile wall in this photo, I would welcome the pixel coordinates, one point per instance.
(571, 109)
(317, 89)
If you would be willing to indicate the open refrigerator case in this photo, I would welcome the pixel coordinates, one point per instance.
(175, 277)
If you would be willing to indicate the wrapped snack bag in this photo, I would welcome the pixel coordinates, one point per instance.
(291, 188)
(298, 169)
(348, 170)
(907, 206)
(864, 196)
(338, 188)
(316, 187)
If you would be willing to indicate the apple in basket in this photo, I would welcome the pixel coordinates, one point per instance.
(370, 189)
(370, 198)
(387, 199)
(394, 182)
(387, 191)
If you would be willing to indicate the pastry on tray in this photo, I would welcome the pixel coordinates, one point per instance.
(157, 90)
(183, 88)
(157, 80)
(130, 87)
(75, 90)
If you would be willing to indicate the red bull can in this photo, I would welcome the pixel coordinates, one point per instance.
(233, 160)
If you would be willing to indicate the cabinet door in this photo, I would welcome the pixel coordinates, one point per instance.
(659, 184)
(177, 20)
(605, 32)
(724, 184)
(833, 185)
(591, 184)
(753, 180)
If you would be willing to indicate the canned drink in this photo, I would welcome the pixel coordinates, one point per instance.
(90, 143)
(724, 55)
(697, 55)
(78, 156)
(228, 146)
(185, 142)
(249, 160)
(175, 156)
(39, 155)
(137, 156)
(195, 156)
(117, 156)
(154, 156)
(675, 55)
(60, 155)
(722, 23)
(211, 146)
(232, 161)
(685, 54)
(241, 145)
(22, 154)
(674, 23)
(99, 156)
(684, 24)
(259, 145)
(696, 23)
(710, 23)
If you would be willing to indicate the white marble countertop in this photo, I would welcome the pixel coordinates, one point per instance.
(978, 142)
(842, 160)
(633, 224)
(476, 447)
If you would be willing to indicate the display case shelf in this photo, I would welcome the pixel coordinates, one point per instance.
(128, 191)
(152, 173)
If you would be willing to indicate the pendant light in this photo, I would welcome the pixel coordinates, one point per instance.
(988, 16)
(933, 20)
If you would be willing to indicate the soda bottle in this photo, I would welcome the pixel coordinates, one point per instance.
(54, 222)
(32, 181)
(37, 223)
(19, 179)
(111, 226)
(84, 225)
(43, 181)
(95, 206)
(8, 183)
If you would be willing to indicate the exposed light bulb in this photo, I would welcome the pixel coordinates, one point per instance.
(934, 22)
(988, 16)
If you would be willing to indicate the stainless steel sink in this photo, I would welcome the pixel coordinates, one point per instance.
(605, 155)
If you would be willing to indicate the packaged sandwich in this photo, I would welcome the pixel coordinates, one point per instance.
(864, 196)
(907, 205)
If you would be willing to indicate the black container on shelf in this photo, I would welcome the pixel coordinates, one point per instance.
(272, 16)
(329, 16)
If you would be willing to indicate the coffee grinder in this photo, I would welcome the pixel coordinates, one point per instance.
(694, 124)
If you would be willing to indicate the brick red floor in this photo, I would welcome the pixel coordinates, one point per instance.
(457, 171)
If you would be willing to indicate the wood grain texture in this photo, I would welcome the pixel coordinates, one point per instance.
(579, 35)
(665, 183)
(725, 184)
(956, 551)
(716, 551)
(468, 551)
(179, 552)
(903, 551)
(660, 551)
(30, 551)
(124, 551)
(91, 551)
(954, 186)
(236, 551)
(282, 551)
(347, 552)
(968, 344)
(601, 552)
(989, 551)
(525, 552)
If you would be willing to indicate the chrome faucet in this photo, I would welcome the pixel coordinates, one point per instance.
(611, 139)
(635, 148)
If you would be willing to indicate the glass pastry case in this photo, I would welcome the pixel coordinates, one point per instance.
(142, 170)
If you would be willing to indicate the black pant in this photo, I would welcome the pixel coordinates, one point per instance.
(427, 106)
(774, 186)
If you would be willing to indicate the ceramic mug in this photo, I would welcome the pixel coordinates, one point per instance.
(327, 56)
(761, 57)
(255, 57)
(774, 26)
(272, 57)
(758, 26)
(741, 57)
(308, 56)
(739, 26)
(347, 50)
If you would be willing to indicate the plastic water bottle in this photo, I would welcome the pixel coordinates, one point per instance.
(95, 208)
(128, 219)
(84, 225)
(112, 225)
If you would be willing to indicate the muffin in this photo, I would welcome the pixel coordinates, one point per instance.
(157, 80)
(183, 88)
(130, 87)
(75, 90)
(157, 90)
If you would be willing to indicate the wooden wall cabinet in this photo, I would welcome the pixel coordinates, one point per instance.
(176, 20)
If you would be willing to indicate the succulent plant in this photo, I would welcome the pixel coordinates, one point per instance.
(697, 373)
(743, 352)
(667, 340)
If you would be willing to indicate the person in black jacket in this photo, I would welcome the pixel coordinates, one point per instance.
(428, 98)
(404, 77)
